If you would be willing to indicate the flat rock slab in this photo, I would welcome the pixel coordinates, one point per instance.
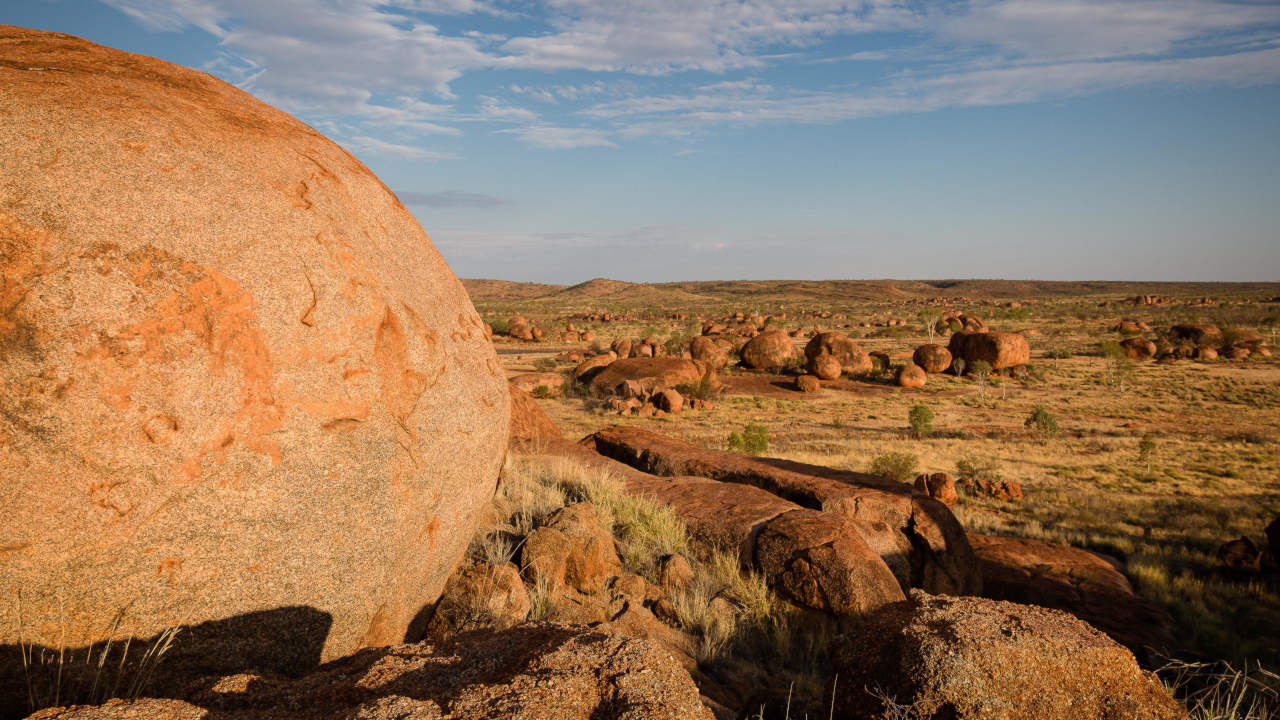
(917, 536)
(1082, 583)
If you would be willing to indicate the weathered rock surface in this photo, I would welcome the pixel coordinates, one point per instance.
(651, 373)
(539, 671)
(973, 658)
(529, 422)
(1077, 581)
(571, 550)
(238, 378)
(918, 537)
(771, 350)
(823, 565)
(853, 359)
(932, 358)
(1000, 349)
(480, 597)
(808, 384)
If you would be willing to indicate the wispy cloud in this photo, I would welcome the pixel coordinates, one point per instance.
(386, 69)
(561, 138)
(451, 199)
(375, 146)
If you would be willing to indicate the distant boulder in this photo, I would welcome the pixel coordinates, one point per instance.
(1137, 348)
(825, 367)
(808, 384)
(772, 351)
(1000, 349)
(932, 358)
(853, 359)
(911, 376)
(708, 351)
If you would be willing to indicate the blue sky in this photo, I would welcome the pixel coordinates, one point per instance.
(663, 140)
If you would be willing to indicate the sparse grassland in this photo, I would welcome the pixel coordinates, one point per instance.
(1156, 465)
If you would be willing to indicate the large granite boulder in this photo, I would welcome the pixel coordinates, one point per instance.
(239, 381)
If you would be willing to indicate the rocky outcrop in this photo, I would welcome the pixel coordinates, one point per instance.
(975, 659)
(1082, 583)
(238, 378)
(918, 537)
(771, 351)
(853, 359)
(816, 560)
(539, 671)
(650, 374)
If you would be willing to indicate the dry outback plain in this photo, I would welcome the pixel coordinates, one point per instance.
(1160, 460)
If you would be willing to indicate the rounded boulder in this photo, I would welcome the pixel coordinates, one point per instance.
(932, 358)
(771, 351)
(853, 359)
(242, 389)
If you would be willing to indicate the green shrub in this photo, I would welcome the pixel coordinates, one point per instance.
(1042, 421)
(975, 468)
(753, 440)
(1147, 450)
(544, 364)
(920, 420)
(895, 466)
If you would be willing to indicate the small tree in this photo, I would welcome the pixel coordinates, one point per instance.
(1118, 365)
(753, 440)
(920, 420)
(981, 369)
(1042, 421)
(930, 319)
(1147, 450)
